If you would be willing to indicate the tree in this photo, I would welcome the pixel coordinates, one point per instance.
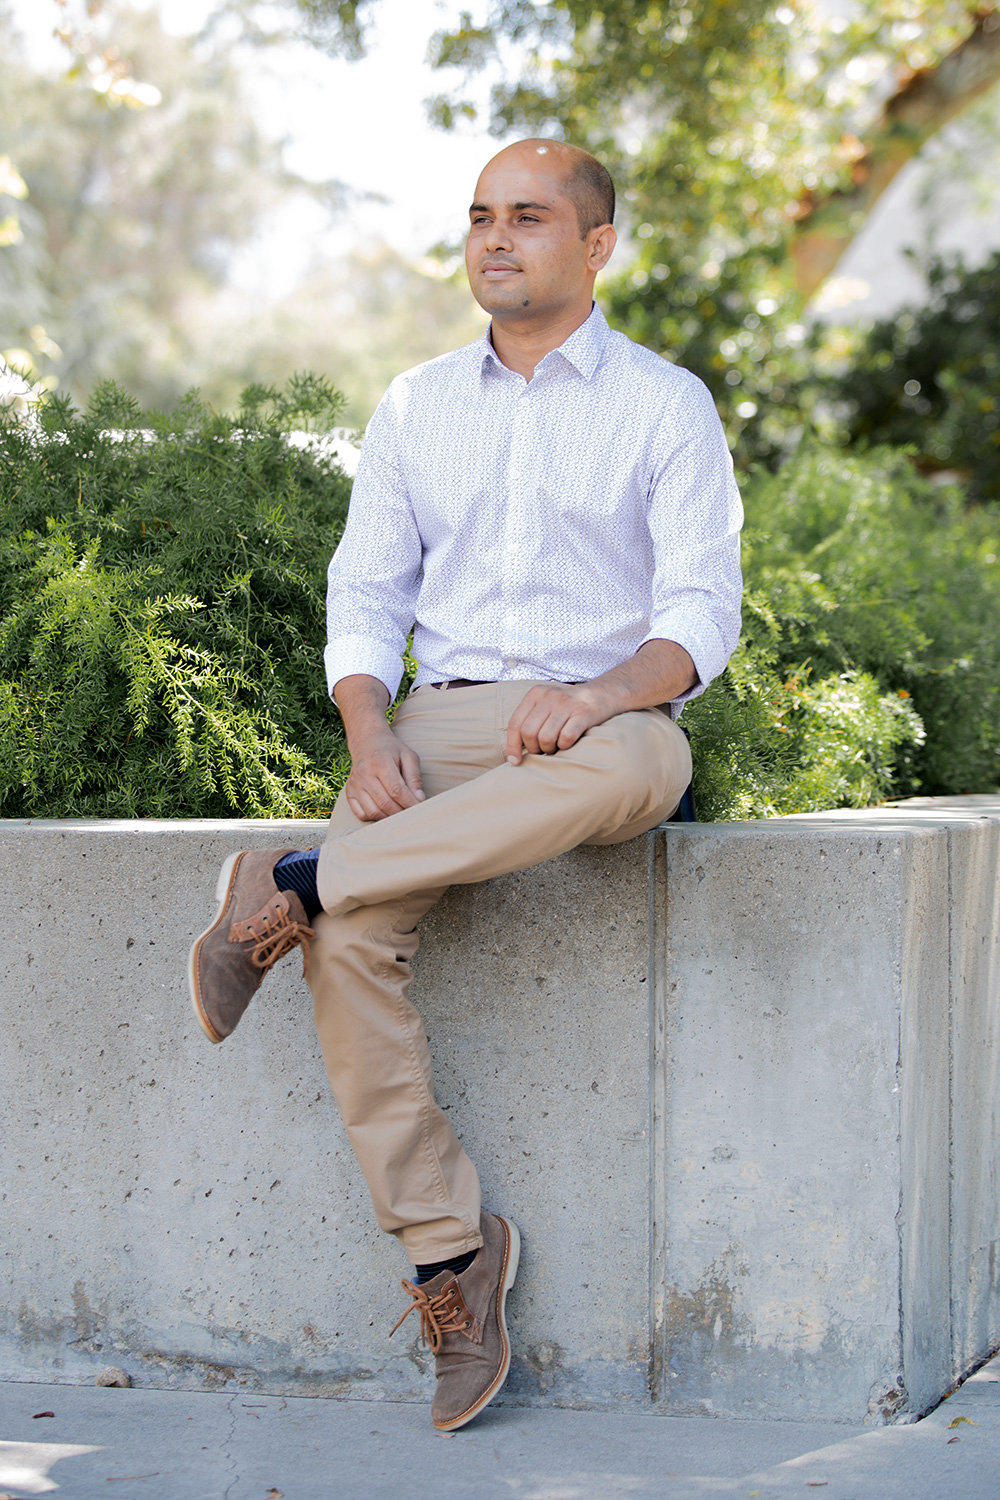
(779, 82)
(141, 178)
(146, 173)
(743, 133)
(717, 118)
(927, 99)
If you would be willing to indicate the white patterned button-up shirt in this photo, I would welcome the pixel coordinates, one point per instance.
(538, 529)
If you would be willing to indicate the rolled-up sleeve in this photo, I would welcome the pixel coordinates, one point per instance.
(374, 575)
(695, 515)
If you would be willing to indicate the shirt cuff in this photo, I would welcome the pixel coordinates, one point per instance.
(702, 640)
(353, 655)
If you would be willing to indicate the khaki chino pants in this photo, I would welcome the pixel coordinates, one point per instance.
(482, 818)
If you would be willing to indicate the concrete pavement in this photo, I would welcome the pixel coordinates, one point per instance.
(182, 1445)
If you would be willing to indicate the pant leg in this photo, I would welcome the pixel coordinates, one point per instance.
(424, 1188)
(482, 818)
(620, 779)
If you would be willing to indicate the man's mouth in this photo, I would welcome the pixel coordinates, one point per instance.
(498, 268)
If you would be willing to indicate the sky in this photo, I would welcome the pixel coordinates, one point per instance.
(362, 123)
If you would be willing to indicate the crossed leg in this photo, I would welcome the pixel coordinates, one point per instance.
(482, 818)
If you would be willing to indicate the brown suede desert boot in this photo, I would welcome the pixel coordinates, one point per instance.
(462, 1319)
(256, 925)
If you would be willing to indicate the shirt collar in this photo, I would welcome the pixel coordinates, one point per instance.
(583, 349)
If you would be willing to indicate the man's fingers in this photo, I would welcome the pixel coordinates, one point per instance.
(362, 806)
(576, 725)
(384, 785)
(514, 740)
(524, 723)
(409, 764)
(545, 722)
(543, 735)
(371, 805)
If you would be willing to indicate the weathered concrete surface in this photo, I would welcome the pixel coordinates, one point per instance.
(828, 1142)
(975, 1104)
(786, 1006)
(534, 993)
(809, 1229)
(196, 1213)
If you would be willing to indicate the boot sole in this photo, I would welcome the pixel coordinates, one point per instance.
(506, 1282)
(223, 886)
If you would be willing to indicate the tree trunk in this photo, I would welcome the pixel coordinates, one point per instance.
(927, 100)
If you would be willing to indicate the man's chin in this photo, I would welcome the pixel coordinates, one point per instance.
(498, 299)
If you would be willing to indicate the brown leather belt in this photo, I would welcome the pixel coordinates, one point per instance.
(469, 682)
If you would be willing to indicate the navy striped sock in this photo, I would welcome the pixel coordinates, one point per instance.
(457, 1264)
(297, 872)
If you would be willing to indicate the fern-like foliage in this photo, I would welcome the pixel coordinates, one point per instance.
(162, 586)
(869, 665)
(162, 582)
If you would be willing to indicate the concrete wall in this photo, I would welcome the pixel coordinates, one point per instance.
(764, 1183)
(975, 1103)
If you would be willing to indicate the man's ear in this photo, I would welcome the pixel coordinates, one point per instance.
(600, 243)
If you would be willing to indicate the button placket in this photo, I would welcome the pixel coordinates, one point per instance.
(518, 469)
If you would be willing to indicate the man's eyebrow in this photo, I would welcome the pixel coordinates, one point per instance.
(484, 208)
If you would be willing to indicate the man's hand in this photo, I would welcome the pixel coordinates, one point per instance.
(553, 717)
(385, 773)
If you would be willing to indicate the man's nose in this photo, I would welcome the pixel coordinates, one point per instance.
(499, 236)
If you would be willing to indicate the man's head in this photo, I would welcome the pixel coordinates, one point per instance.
(540, 230)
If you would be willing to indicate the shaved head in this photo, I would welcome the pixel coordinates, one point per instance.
(586, 182)
(539, 232)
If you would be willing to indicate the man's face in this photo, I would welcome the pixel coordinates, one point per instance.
(524, 253)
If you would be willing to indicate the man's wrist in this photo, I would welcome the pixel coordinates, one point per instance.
(605, 696)
(363, 702)
(660, 671)
(365, 730)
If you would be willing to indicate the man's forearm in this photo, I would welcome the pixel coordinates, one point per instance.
(658, 672)
(553, 716)
(362, 701)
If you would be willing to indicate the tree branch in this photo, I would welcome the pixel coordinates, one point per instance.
(924, 103)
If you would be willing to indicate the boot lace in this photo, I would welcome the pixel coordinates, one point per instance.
(276, 944)
(274, 933)
(440, 1313)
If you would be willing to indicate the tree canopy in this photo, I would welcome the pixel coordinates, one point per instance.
(138, 188)
(132, 179)
(750, 140)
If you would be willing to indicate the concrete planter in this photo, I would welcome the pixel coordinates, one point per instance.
(739, 1084)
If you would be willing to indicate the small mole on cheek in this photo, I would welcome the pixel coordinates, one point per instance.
(526, 302)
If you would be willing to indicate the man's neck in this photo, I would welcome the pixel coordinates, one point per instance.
(521, 345)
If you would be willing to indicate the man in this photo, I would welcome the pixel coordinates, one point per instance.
(553, 507)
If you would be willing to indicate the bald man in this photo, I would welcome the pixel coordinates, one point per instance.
(552, 511)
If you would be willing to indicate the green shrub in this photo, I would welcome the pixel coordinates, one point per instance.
(929, 377)
(162, 589)
(162, 623)
(869, 665)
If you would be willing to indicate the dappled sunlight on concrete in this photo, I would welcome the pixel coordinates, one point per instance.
(25, 1466)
